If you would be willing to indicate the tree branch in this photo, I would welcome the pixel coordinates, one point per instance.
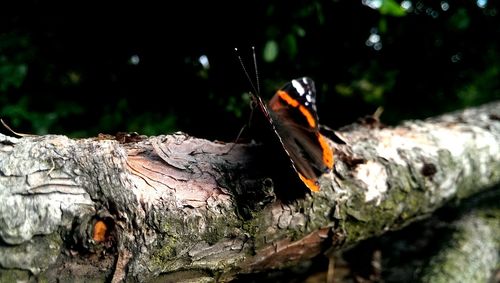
(181, 206)
(471, 253)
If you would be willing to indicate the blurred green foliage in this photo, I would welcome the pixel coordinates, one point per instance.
(146, 71)
(391, 8)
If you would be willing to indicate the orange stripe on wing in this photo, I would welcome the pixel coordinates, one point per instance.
(294, 103)
(311, 184)
(327, 160)
(327, 151)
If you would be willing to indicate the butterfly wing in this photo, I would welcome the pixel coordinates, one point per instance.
(295, 121)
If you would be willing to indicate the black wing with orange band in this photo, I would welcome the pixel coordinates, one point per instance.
(292, 112)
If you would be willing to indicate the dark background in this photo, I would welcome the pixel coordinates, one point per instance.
(70, 69)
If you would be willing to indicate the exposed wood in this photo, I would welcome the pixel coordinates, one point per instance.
(177, 205)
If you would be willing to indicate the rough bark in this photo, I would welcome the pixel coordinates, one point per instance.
(472, 252)
(180, 207)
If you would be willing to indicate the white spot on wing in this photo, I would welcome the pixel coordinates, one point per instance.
(300, 89)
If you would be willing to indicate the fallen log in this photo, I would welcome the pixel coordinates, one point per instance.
(133, 208)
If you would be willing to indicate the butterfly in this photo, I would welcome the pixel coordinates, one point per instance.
(292, 115)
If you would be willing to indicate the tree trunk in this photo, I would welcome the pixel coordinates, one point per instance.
(133, 208)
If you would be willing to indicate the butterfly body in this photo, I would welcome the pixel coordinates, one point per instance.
(293, 118)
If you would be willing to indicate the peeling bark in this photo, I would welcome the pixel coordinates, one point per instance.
(181, 206)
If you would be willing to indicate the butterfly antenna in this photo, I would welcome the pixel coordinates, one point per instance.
(246, 72)
(256, 70)
(14, 132)
(236, 140)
